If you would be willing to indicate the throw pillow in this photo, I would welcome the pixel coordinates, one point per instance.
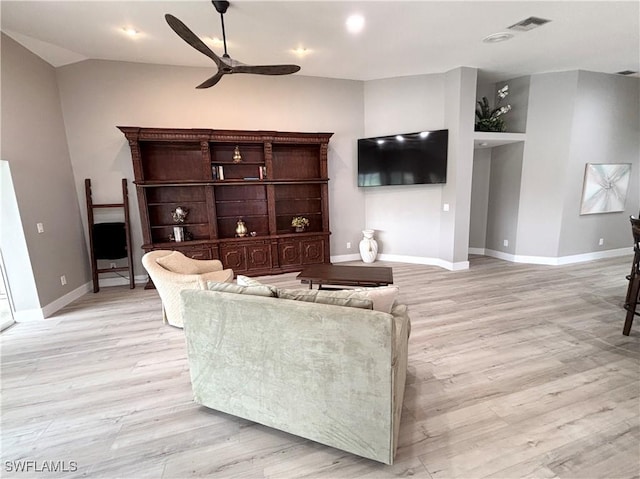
(336, 298)
(262, 290)
(176, 262)
(246, 281)
(383, 297)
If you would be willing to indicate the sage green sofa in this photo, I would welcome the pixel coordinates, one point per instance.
(332, 374)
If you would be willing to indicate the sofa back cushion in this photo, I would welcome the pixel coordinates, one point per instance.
(383, 297)
(336, 298)
(176, 262)
(258, 290)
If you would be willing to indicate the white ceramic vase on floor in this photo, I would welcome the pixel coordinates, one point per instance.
(368, 246)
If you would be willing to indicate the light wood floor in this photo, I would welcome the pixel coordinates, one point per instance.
(514, 371)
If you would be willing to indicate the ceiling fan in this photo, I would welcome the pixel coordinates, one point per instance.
(226, 64)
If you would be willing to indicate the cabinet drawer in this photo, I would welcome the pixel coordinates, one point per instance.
(199, 252)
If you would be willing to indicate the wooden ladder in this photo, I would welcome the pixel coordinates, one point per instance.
(95, 271)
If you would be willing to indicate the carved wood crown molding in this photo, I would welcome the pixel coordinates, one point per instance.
(222, 136)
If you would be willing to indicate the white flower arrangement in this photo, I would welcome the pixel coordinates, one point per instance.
(488, 119)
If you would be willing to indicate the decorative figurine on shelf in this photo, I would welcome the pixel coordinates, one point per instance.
(179, 216)
(300, 223)
(241, 228)
(488, 119)
(237, 157)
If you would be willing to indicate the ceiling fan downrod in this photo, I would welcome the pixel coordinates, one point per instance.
(221, 8)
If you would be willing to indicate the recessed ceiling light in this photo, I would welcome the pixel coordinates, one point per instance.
(355, 23)
(215, 41)
(399, 138)
(132, 32)
(498, 37)
(424, 134)
(380, 141)
(301, 51)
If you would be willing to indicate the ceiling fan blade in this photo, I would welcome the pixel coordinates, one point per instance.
(212, 81)
(191, 38)
(266, 69)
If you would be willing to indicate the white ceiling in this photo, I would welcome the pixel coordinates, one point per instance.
(399, 38)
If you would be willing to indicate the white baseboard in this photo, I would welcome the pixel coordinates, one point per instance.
(480, 251)
(37, 314)
(462, 265)
(406, 259)
(345, 257)
(554, 261)
(119, 281)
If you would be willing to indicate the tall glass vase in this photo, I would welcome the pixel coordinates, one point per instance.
(368, 246)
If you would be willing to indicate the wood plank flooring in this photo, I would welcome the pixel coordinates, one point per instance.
(514, 371)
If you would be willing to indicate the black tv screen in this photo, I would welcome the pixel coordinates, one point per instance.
(406, 159)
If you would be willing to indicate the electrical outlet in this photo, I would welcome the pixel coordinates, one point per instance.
(40, 227)
(601, 241)
(505, 242)
(348, 244)
(63, 280)
(445, 207)
(112, 265)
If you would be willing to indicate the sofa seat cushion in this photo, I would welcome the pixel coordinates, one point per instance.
(346, 298)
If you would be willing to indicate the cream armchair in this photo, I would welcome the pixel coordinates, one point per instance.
(172, 272)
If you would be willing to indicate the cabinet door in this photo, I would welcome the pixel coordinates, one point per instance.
(233, 256)
(245, 257)
(258, 256)
(289, 253)
(312, 251)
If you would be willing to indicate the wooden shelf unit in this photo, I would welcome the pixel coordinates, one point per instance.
(280, 175)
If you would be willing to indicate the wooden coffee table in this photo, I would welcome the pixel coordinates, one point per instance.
(345, 275)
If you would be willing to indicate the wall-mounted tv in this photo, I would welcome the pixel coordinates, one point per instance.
(405, 159)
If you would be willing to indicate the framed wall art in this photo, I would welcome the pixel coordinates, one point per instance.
(605, 187)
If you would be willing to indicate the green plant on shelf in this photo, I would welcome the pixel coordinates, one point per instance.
(488, 119)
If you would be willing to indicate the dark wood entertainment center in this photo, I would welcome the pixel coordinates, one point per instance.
(280, 175)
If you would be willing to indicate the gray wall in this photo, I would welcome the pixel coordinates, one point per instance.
(406, 218)
(575, 118)
(99, 95)
(34, 144)
(605, 129)
(504, 197)
(479, 198)
(544, 169)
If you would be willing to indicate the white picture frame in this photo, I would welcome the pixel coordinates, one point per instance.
(605, 187)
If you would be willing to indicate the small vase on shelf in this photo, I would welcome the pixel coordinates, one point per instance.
(368, 246)
(241, 228)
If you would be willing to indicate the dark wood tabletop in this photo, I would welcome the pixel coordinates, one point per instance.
(346, 275)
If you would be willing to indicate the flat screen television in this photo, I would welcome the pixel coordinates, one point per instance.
(406, 159)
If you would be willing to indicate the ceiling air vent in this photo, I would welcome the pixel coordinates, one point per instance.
(528, 24)
(626, 72)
